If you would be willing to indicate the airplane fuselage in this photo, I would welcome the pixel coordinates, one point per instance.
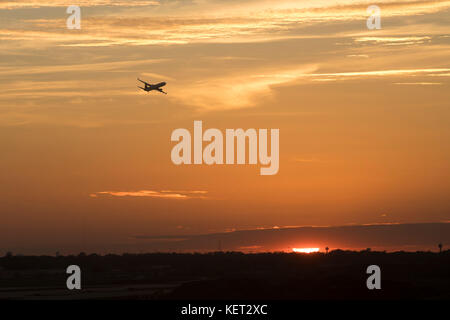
(150, 87)
(155, 86)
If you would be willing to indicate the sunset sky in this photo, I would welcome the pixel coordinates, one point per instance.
(363, 116)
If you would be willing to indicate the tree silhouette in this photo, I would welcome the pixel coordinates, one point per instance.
(440, 247)
(326, 249)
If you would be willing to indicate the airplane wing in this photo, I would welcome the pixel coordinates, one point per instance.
(143, 82)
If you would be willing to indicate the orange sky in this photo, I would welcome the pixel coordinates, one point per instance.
(363, 117)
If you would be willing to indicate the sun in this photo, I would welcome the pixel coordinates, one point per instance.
(305, 250)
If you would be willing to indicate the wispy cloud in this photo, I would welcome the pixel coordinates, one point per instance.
(17, 4)
(394, 72)
(358, 56)
(192, 22)
(236, 83)
(176, 195)
(238, 90)
(88, 67)
(394, 40)
(419, 83)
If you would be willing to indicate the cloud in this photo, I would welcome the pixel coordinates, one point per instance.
(419, 83)
(238, 90)
(394, 72)
(188, 192)
(440, 75)
(179, 195)
(201, 22)
(358, 56)
(245, 89)
(18, 4)
(240, 79)
(394, 40)
(88, 67)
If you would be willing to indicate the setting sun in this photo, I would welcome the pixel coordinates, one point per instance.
(305, 250)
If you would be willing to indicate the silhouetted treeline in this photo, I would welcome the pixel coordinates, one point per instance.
(215, 260)
(233, 275)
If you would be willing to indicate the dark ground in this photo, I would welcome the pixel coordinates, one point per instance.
(231, 275)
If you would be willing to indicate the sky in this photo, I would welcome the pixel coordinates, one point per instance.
(363, 117)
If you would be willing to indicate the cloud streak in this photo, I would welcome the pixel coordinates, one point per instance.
(19, 4)
(238, 90)
(394, 72)
(165, 194)
(189, 23)
(88, 67)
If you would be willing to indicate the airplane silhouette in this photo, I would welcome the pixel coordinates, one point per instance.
(150, 87)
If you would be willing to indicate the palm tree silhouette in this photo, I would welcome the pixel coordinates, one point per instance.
(440, 247)
(326, 249)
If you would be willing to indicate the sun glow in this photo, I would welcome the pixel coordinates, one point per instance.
(305, 250)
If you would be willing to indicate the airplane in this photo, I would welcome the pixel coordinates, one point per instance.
(149, 87)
